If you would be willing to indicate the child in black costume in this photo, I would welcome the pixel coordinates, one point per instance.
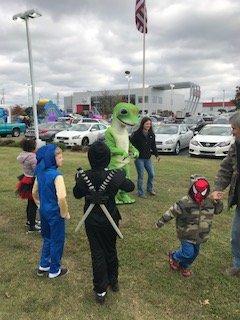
(100, 233)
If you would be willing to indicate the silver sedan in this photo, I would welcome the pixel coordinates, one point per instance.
(173, 137)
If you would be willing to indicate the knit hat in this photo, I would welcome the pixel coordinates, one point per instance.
(99, 155)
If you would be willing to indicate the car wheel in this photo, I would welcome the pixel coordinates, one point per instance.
(177, 149)
(16, 132)
(85, 142)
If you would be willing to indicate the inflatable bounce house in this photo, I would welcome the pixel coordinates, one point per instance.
(50, 112)
(3, 114)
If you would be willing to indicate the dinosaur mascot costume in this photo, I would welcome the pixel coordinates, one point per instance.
(117, 139)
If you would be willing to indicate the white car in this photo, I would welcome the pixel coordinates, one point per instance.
(172, 137)
(212, 140)
(81, 134)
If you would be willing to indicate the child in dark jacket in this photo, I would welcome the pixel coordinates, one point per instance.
(100, 233)
(27, 158)
(194, 214)
(50, 194)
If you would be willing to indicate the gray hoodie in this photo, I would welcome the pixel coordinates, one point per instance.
(28, 161)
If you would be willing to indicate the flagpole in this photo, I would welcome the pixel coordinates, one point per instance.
(143, 80)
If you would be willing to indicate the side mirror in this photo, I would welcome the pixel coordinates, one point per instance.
(93, 129)
(195, 132)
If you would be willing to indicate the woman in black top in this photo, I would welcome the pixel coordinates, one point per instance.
(144, 140)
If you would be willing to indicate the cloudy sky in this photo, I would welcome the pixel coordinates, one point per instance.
(88, 44)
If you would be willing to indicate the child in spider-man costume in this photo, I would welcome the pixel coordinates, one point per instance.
(194, 214)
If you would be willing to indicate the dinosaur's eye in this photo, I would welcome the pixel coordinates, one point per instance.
(123, 111)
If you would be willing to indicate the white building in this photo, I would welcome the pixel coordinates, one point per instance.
(157, 98)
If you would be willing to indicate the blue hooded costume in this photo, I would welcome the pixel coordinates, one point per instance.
(52, 224)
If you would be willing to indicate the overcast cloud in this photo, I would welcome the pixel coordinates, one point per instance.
(88, 44)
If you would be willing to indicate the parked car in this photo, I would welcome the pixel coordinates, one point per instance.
(87, 120)
(194, 123)
(208, 118)
(221, 120)
(14, 129)
(81, 134)
(212, 140)
(47, 131)
(172, 137)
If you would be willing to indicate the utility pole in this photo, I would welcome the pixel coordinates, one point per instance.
(58, 99)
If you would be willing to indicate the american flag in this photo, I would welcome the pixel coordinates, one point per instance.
(139, 15)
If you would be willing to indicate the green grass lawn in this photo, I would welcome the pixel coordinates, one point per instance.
(149, 290)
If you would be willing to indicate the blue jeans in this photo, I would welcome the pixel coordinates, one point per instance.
(235, 238)
(53, 233)
(186, 254)
(140, 165)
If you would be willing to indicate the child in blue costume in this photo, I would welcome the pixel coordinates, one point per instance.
(49, 194)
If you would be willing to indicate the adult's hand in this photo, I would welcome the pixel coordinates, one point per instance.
(217, 195)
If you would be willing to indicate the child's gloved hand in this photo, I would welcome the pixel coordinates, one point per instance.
(159, 224)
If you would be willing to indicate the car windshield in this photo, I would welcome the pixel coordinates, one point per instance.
(167, 130)
(216, 131)
(80, 127)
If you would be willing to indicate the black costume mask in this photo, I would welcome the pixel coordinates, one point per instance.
(99, 155)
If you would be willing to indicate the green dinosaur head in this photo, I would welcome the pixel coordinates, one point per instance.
(126, 113)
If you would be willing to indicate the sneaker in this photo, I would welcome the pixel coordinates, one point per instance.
(174, 265)
(232, 272)
(34, 229)
(37, 223)
(186, 272)
(152, 193)
(63, 272)
(100, 297)
(42, 273)
(114, 286)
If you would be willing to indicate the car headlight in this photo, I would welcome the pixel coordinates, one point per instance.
(194, 142)
(76, 137)
(223, 144)
(170, 141)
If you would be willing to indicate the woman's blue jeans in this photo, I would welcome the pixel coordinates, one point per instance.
(142, 164)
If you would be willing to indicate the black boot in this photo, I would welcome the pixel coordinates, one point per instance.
(100, 297)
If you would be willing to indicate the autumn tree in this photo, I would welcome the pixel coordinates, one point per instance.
(236, 100)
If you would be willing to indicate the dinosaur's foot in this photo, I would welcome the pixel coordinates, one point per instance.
(124, 199)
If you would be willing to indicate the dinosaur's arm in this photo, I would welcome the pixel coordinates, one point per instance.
(111, 143)
(133, 150)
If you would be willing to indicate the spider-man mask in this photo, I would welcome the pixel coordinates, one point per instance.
(199, 190)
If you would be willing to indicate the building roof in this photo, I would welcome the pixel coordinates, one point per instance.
(218, 104)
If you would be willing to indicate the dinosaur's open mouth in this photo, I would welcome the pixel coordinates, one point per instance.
(128, 124)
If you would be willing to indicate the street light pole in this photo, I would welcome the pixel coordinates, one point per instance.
(172, 87)
(128, 77)
(25, 16)
(223, 104)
